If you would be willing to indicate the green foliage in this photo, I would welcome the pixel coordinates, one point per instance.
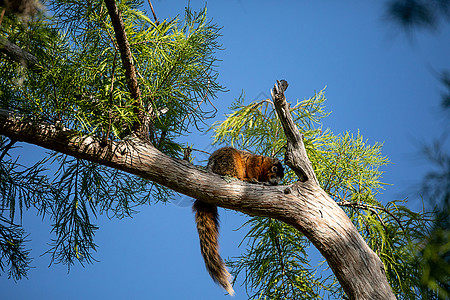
(348, 169)
(80, 84)
(432, 248)
(19, 187)
(12, 249)
(411, 14)
(282, 270)
(432, 260)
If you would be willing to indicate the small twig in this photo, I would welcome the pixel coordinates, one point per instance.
(278, 151)
(187, 153)
(108, 130)
(153, 12)
(201, 151)
(109, 35)
(7, 148)
(150, 108)
(332, 173)
(150, 41)
(371, 208)
(171, 69)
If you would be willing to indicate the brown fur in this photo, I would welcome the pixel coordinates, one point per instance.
(242, 165)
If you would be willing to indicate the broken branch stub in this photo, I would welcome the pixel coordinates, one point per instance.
(295, 156)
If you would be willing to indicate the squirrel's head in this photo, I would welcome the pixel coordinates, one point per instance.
(276, 172)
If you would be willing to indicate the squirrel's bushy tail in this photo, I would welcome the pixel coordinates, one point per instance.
(207, 220)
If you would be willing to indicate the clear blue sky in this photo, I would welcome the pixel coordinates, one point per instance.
(378, 81)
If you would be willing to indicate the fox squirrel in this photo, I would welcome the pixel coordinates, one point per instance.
(242, 165)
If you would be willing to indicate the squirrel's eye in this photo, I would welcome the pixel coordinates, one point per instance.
(274, 169)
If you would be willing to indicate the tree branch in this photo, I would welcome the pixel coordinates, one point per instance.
(153, 12)
(19, 55)
(295, 156)
(6, 148)
(373, 209)
(141, 128)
